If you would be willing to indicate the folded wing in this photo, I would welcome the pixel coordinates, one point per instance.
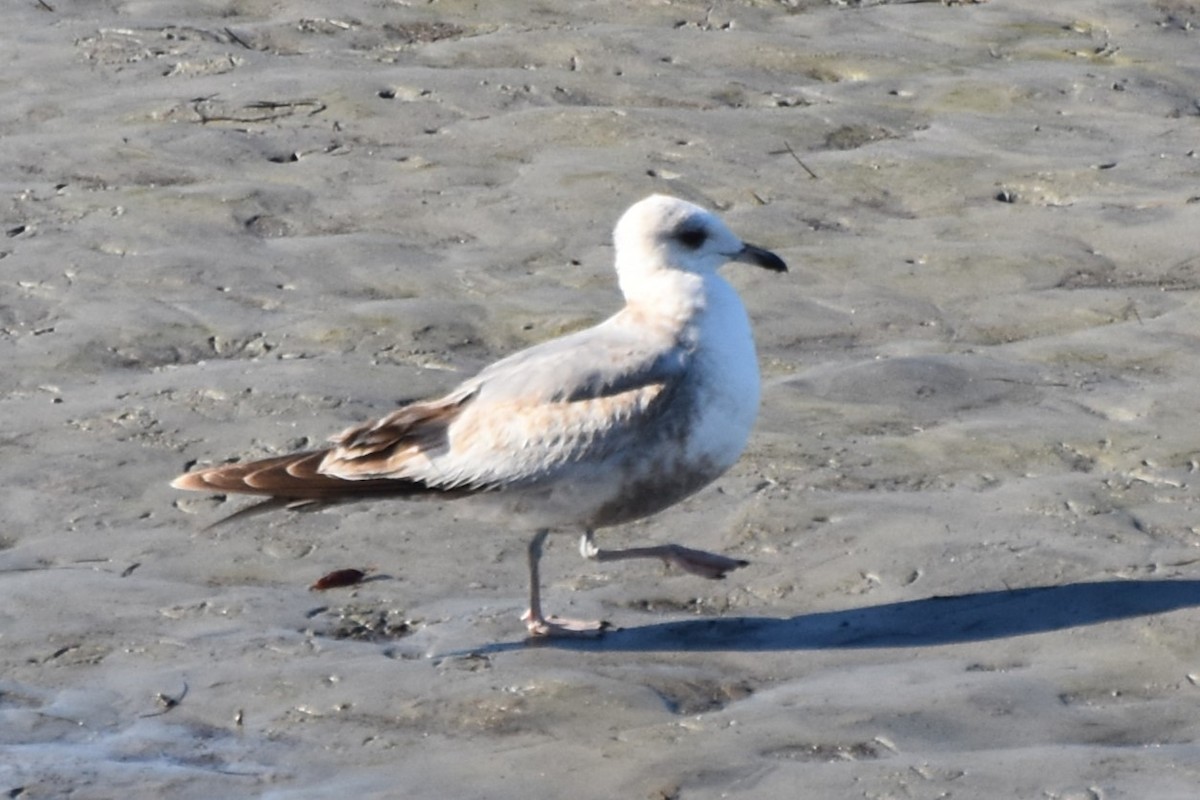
(577, 399)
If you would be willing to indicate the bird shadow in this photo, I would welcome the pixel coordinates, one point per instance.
(931, 621)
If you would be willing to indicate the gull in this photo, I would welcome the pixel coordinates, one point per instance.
(596, 428)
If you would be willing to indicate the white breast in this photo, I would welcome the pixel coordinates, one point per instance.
(729, 385)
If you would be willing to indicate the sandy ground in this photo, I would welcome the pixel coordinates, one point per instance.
(233, 227)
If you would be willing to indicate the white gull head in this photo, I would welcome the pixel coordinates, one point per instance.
(662, 233)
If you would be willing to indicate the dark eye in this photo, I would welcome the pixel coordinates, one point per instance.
(691, 238)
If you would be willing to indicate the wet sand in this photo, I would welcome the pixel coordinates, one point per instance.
(233, 228)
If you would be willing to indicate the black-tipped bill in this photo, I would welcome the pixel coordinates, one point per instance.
(749, 254)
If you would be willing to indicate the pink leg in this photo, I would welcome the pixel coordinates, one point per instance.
(697, 562)
(539, 625)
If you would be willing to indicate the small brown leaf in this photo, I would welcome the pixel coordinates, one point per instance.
(338, 578)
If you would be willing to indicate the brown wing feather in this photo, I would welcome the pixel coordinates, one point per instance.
(379, 447)
(357, 451)
(292, 477)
